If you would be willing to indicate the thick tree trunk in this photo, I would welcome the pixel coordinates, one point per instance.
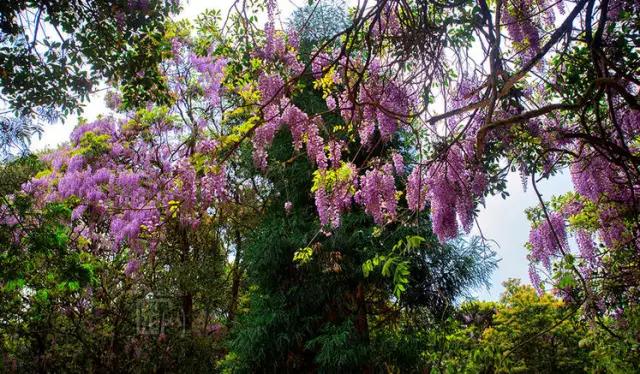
(187, 297)
(361, 323)
(235, 283)
(362, 326)
(187, 310)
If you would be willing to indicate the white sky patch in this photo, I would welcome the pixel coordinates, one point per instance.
(505, 221)
(58, 133)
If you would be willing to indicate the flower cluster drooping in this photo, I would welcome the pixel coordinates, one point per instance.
(334, 191)
(378, 112)
(548, 239)
(212, 74)
(378, 194)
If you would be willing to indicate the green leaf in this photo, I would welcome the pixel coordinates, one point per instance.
(386, 268)
(414, 241)
(303, 255)
(14, 284)
(567, 281)
(42, 295)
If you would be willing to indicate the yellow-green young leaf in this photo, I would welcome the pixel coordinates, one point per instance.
(376, 232)
(238, 132)
(401, 273)
(377, 260)
(303, 255)
(367, 267)
(198, 161)
(397, 246)
(343, 173)
(92, 144)
(386, 268)
(43, 173)
(414, 241)
(256, 63)
(398, 290)
(174, 207)
(318, 181)
(250, 95)
(587, 218)
(326, 83)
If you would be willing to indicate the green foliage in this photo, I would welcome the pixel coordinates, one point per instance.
(337, 349)
(532, 333)
(393, 261)
(523, 332)
(49, 67)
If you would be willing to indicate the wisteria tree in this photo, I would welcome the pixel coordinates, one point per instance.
(481, 90)
(536, 100)
(532, 87)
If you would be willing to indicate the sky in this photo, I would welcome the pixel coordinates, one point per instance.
(503, 221)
